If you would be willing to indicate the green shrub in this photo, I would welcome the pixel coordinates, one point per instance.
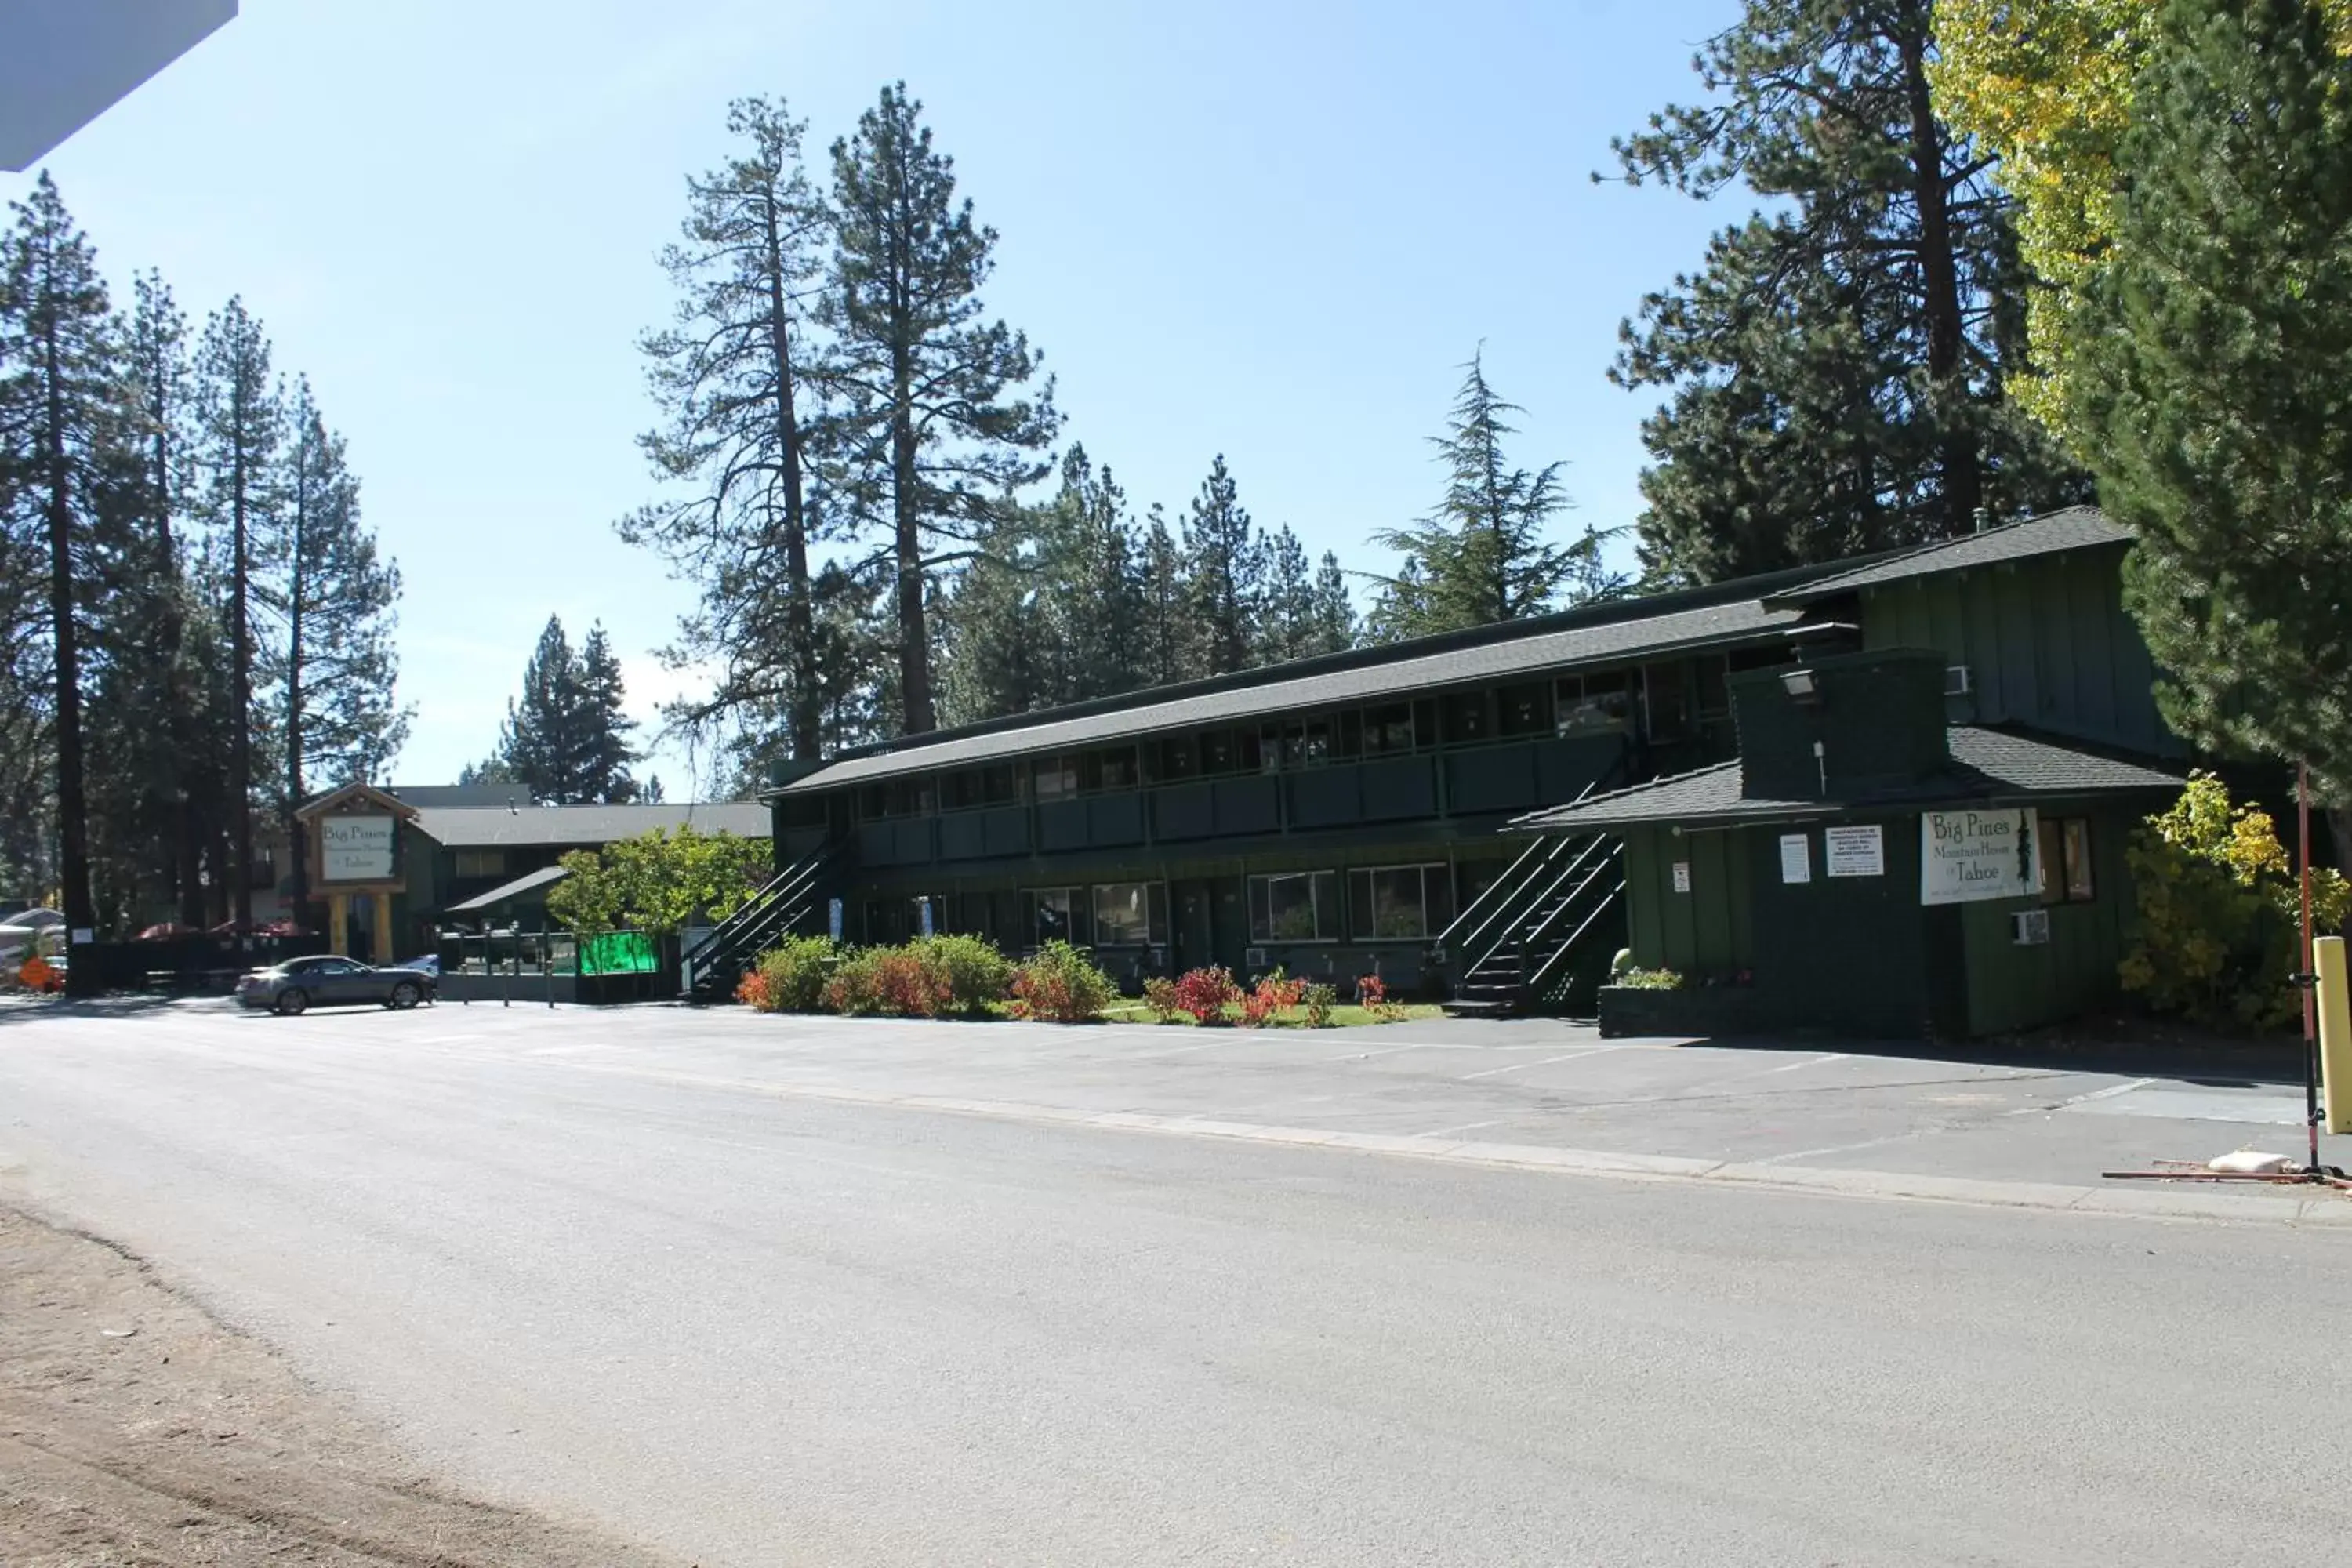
(2219, 911)
(1061, 984)
(1319, 1000)
(1649, 979)
(972, 972)
(791, 977)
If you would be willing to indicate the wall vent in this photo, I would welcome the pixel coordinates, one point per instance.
(1956, 680)
(2030, 928)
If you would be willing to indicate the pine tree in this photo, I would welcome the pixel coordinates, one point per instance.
(1835, 373)
(743, 377)
(1334, 610)
(1090, 587)
(1288, 628)
(65, 426)
(998, 655)
(2209, 367)
(1486, 554)
(938, 439)
(1224, 569)
(566, 740)
(605, 750)
(240, 425)
(1164, 650)
(326, 652)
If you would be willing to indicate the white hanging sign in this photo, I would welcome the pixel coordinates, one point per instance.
(355, 848)
(1796, 858)
(1966, 856)
(1682, 876)
(1854, 851)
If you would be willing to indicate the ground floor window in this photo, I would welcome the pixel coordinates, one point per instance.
(2065, 846)
(1296, 906)
(1400, 903)
(1131, 914)
(1055, 914)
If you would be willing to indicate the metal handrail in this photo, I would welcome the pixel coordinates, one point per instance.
(1506, 887)
(1538, 847)
(1547, 970)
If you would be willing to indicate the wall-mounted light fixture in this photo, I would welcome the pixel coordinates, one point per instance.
(1801, 684)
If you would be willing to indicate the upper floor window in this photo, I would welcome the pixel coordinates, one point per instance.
(1523, 709)
(1055, 777)
(1592, 704)
(1113, 769)
(1296, 743)
(1387, 729)
(1466, 718)
(481, 863)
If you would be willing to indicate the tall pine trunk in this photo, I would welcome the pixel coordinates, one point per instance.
(1939, 271)
(73, 805)
(296, 587)
(807, 717)
(240, 750)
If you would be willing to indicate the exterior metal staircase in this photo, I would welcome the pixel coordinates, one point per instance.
(1538, 940)
(786, 905)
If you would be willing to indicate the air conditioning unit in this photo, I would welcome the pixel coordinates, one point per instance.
(1956, 680)
(2030, 928)
(1253, 957)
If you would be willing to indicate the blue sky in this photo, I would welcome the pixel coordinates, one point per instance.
(1270, 230)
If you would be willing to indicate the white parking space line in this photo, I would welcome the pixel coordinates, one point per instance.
(1817, 1061)
(1465, 1127)
(1569, 1056)
(2110, 1092)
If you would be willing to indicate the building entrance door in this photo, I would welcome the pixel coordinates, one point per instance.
(1196, 931)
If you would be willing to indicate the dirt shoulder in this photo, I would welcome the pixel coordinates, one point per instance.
(136, 1430)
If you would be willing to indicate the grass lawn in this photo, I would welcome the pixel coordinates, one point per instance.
(1344, 1017)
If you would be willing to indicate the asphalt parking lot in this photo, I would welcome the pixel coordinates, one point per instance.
(1436, 1087)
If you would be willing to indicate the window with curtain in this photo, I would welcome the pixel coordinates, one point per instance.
(1131, 914)
(1399, 903)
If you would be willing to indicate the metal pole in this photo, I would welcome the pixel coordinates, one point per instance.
(2310, 1000)
(546, 961)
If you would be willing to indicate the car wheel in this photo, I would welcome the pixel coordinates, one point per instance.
(292, 1001)
(403, 997)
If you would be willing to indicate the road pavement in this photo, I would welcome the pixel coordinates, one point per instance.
(712, 1281)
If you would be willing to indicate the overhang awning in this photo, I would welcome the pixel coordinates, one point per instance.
(505, 890)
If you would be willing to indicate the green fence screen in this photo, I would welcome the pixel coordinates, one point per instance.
(618, 953)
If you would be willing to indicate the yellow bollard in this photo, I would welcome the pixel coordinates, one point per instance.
(2335, 1031)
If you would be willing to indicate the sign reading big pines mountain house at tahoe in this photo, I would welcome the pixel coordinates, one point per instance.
(1966, 856)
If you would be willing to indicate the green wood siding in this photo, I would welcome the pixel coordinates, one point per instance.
(2010, 988)
(1706, 931)
(2047, 642)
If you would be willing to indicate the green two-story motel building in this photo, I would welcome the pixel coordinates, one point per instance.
(1398, 810)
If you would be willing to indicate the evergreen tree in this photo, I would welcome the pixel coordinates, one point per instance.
(240, 430)
(1836, 372)
(997, 656)
(1334, 612)
(1224, 570)
(1486, 554)
(606, 750)
(65, 426)
(1289, 622)
(939, 437)
(326, 653)
(1091, 590)
(2208, 374)
(566, 741)
(742, 376)
(1165, 645)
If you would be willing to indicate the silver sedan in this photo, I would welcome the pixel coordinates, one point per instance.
(301, 984)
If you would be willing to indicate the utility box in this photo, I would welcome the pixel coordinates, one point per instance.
(2335, 1005)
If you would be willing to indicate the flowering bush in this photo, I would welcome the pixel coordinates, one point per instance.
(1204, 994)
(1272, 993)
(1160, 996)
(1372, 992)
(894, 982)
(1650, 979)
(1319, 1000)
(791, 978)
(971, 969)
(1060, 984)
(2219, 911)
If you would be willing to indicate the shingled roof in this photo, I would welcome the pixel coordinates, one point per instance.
(1988, 766)
(2076, 527)
(483, 827)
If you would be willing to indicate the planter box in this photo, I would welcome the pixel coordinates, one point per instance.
(1627, 1010)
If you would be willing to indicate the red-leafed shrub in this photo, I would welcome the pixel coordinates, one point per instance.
(890, 980)
(1061, 984)
(1266, 1003)
(1204, 994)
(752, 991)
(1374, 994)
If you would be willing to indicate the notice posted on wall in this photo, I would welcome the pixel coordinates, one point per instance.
(1854, 851)
(1966, 856)
(1796, 858)
(1682, 876)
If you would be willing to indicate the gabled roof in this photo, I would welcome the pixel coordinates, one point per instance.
(580, 827)
(1586, 639)
(2075, 528)
(1988, 765)
(364, 795)
(505, 890)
